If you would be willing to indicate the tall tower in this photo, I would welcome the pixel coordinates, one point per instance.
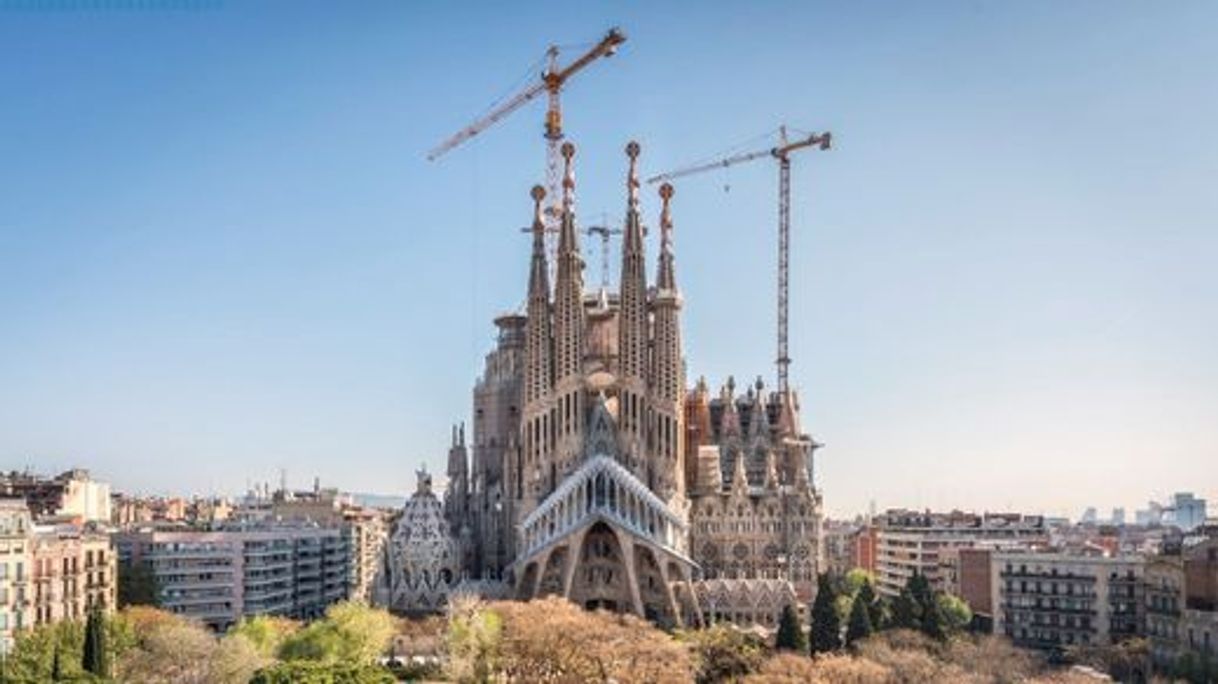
(568, 402)
(538, 371)
(633, 333)
(667, 373)
(456, 494)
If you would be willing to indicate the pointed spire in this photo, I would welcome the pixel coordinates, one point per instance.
(633, 333)
(666, 280)
(740, 477)
(759, 415)
(539, 277)
(538, 378)
(771, 470)
(568, 282)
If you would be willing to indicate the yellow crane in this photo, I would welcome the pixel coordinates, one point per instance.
(551, 82)
(782, 153)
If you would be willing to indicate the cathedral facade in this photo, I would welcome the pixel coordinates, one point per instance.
(595, 473)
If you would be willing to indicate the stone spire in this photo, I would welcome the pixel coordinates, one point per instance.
(538, 374)
(740, 476)
(633, 329)
(759, 415)
(667, 370)
(569, 285)
(456, 493)
(729, 423)
(666, 279)
(535, 447)
(633, 326)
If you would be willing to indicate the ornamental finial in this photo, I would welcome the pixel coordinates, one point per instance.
(666, 193)
(632, 178)
(538, 193)
(568, 176)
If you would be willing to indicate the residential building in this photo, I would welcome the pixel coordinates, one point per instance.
(16, 527)
(72, 494)
(1054, 600)
(50, 573)
(219, 576)
(909, 542)
(73, 569)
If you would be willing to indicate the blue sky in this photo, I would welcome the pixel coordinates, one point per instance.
(222, 251)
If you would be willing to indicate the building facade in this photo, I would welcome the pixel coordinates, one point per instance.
(50, 573)
(219, 576)
(910, 542)
(1051, 601)
(421, 562)
(593, 471)
(72, 494)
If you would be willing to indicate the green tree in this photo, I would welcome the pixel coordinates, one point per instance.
(905, 611)
(94, 657)
(859, 626)
(956, 613)
(790, 632)
(723, 653)
(266, 632)
(56, 666)
(303, 672)
(34, 651)
(875, 607)
(826, 630)
(351, 632)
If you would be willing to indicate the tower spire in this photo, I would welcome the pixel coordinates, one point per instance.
(633, 328)
(539, 369)
(568, 331)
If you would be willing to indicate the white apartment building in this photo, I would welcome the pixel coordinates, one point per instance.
(910, 542)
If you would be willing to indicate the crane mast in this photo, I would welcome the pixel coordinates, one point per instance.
(550, 82)
(782, 153)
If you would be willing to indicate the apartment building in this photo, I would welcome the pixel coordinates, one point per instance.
(50, 573)
(73, 569)
(219, 576)
(72, 494)
(1051, 601)
(911, 542)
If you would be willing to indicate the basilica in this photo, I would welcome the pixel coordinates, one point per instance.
(595, 471)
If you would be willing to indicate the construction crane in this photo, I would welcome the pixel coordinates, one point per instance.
(781, 152)
(551, 82)
(604, 231)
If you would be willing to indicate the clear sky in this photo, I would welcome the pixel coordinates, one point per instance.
(222, 251)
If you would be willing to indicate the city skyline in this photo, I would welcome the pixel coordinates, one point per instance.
(230, 260)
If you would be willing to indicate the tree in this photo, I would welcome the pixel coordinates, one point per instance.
(266, 633)
(955, 611)
(875, 608)
(472, 639)
(35, 650)
(790, 632)
(859, 626)
(56, 666)
(170, 650)
(95, 659)
(552, 639)
(723, 653)
(304, 672)
(826, 627)
(905, 611)
(351, 632)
